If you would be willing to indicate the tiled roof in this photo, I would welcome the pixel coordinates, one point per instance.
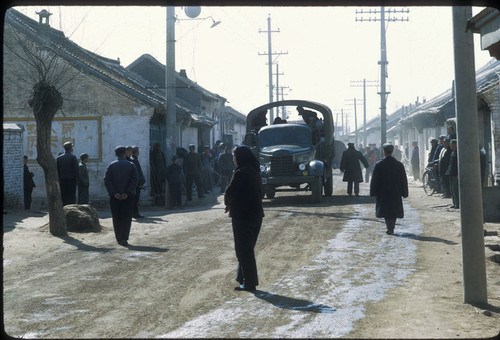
(105, 69)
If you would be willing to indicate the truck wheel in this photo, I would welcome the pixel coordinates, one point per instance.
(316, 188)
(270, 192)
(329, 185)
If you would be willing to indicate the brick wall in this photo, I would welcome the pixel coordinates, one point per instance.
(13, 166)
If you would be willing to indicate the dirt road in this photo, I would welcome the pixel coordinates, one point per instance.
(325, 270)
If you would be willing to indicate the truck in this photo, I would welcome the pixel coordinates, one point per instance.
(294, 156)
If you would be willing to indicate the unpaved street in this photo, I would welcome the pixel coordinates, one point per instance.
(325, 270)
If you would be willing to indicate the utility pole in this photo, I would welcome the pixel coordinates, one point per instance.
(383, 59)
(469, 179)
(371, 83)
(283, 108)
(270, 61)
(355, 121)
(277, 74)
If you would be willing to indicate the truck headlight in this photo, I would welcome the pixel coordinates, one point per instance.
(262, 168)
(302, 166)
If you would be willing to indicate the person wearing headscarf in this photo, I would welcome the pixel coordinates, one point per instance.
(243, 201)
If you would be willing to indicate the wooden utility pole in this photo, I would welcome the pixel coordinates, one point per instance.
(358, 83)
(383, 59)
(469, 178)
(270, 61)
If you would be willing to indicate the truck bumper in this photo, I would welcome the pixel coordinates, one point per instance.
(286, 180)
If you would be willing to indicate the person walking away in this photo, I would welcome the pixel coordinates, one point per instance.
(226, 166)
(121, 181)
(415, 162)
(28, 184)
(174, 179)
(158, 172)
(453, 173)
(192, 170)
(388, 185)
(206, 172)
(140, 183)
(443, 164)
(397, 154)
(83, 180)
(349, 165)
(68, 172)
(243, 201)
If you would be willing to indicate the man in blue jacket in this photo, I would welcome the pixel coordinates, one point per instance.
(388, 185)
(121, 180)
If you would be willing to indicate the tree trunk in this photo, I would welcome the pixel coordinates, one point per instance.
(45, 103)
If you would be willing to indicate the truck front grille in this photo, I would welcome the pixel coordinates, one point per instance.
(282, 166)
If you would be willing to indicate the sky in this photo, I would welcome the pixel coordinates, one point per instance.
(323, 54)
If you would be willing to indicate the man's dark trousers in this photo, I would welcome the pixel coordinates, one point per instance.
(68, 191)
(121, 212)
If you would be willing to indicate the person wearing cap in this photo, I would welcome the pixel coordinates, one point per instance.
(140, 183)
(439, 148)
(226, 166)
(434, 144)
(349, 165)
(389, 184)
(453, 173)
(174, 179)
(83, 180)
(128, 153)
(67, 172)
(243, 202)
(192, 171)
(443, 164)
(121, 180)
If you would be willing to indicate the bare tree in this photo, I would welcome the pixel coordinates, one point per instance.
(43, 66)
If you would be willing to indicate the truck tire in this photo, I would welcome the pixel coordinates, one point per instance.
(328, 186)
(316, 189)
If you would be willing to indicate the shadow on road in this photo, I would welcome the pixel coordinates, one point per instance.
(302, 200)
(82, 246)
(425, 238)
(147, 248)
(293, 304)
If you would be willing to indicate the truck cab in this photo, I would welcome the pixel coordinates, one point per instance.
(293, 156)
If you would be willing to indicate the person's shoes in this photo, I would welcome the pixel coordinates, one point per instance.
(245, 288)
(357, 195)
(123, 243)
(138, 216)
(390, 232)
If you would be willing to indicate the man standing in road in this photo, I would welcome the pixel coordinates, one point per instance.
(67, 171)
(453, 173)
(349, 165)
(121, 182)
(140, 183)
(388, 185)
(415, 162)
(83, 180)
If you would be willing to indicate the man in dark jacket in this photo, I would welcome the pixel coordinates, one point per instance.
(140, 183)
(388, 185)
(121, 182)
(83, 180)
(226, 166)
(453, 173)
(349, 165)
(192, 170)
(67, 171)
(158, 166)
(174, 179)
(29, 184)
(444, 163)
(415, 161)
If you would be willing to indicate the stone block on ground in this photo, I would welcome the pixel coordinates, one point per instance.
(81, 218)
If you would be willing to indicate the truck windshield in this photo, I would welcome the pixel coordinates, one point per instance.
(290, 135)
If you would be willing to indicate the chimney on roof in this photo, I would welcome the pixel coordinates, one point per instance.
(183, 73)
(44, 15)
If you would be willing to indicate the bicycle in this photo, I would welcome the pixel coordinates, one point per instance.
(430, 180)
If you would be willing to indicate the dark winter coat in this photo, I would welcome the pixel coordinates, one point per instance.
(243, 195)
(67, 166)
(140, 174)
(389, 184)
(192, 164)
(174, 174)
(349, 164)
(453, 166)
(121, 177)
